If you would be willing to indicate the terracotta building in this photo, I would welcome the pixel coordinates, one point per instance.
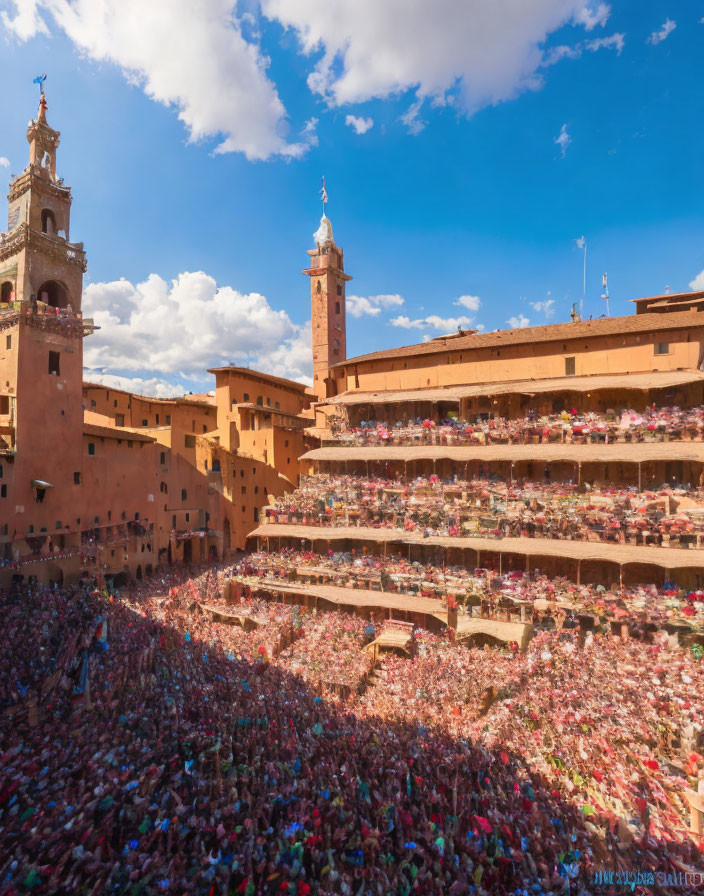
(98, 479)
(654, 357)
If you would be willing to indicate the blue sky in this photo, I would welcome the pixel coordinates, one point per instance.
(194, 137)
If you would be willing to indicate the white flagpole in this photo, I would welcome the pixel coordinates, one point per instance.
(584, 282)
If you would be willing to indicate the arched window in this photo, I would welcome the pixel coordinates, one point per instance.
(6, 291)
(48, 222)
(318, 288)
(53, 293)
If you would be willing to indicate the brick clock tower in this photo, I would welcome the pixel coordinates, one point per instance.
(41, 356)
(327, 303)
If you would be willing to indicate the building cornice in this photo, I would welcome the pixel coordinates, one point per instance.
(32, 178)
(26, 238)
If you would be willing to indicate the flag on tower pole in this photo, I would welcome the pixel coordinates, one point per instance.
(40, 79)
(324, 193)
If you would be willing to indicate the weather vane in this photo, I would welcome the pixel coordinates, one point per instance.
(40, 79)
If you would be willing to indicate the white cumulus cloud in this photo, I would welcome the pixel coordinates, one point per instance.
(4, 162)
(563, 140)
(152, 386)
(518, 322)
(698, 283)
(546, 306)
(190, 56)
(446, 324)
(471, 303)
(556, 54)
(175, 331)
(359, 124)
(657, 37)
(471, 52)
(360, 306)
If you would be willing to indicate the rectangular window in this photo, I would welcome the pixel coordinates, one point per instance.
(3, 491)
(145, 423)
(157, 419)
(662, 348)
(119, 419)
(173, 521)
(54, 362)
(76, 478)
(91, 448)
(188, 517)
(8, 342)
(569, 366)
(339, 289)
(246, 396)
(189, 441)
(184, 494)
(244, 489)
(337, 307)
(162, 457)
(4, 404)
(168, 419)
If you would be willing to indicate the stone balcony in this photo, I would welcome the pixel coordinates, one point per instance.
(46, 317)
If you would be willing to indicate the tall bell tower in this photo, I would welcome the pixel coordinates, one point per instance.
(41, 357)
(48, 266)
(327, 302)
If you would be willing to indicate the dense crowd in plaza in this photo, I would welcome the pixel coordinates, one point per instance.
(672, 515)
(567, 427)
(195, 762)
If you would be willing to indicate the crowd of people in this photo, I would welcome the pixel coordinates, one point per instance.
(190, 760)
(491, 507)
(544, 601)
(568, 427)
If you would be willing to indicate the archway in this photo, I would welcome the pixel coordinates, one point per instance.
(6, 291)
(53, 293)
(48, 222)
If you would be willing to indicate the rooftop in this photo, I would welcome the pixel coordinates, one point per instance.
(638, 382)
(603, 326)
(262, 377)
(107, 432)
(199, 400)
(673, 296)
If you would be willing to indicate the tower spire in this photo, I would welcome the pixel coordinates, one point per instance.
(39, 80)
(324, 195)
(42, 108)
